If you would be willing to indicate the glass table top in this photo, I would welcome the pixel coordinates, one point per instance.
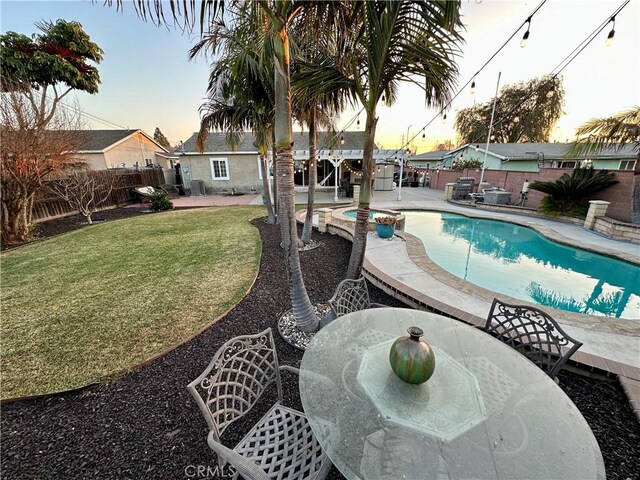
(487, 412)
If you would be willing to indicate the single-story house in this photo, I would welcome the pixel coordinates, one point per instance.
(531, 157)
(104, 149)
(428, 159)
(223, 169)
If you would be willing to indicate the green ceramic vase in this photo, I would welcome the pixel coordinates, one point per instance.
(412, 359)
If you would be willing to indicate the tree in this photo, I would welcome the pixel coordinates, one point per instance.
(444, 146)
(240, 92)
(613, 132)
(159, 137)
(84, 190)
(31, 73)
(525, 112)
(388, 42)
(566, 193)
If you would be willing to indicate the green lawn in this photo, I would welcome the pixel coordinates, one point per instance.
(93, 303)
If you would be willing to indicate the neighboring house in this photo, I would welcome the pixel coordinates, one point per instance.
(531, 157)
(223, 169)
(123, 149)
(428, 159)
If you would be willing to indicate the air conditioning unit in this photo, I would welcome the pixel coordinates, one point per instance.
(197, 188)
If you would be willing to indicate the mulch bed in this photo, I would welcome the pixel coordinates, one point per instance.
(146, 425)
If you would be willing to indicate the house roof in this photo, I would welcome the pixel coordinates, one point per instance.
(531, 151)
(97, 141)
(217, 142)
(436, 155)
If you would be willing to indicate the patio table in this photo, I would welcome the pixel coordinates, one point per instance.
(487, 412)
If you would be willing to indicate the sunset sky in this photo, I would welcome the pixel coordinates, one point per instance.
(148, 82)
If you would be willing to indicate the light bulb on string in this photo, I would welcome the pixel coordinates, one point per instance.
(612, 33)
(473, 87)
(341, 139)
(423, 135)
(358, 122)
(516, 119)
(525, 37)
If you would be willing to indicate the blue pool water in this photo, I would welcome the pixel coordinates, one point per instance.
(372, 213)
(517, 261)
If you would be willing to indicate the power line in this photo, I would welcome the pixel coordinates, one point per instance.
(461, 89)
(558, 69)
(564, 63)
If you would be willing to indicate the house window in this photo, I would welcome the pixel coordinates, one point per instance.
(567, 164)
(219, 168)
(627, 164)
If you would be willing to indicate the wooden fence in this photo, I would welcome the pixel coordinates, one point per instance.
(47, 206)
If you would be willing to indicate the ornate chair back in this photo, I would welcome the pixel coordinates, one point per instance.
(237, 376)
(533, 333)
(350, 296)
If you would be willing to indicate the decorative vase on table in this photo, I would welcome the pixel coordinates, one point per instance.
(411, 358)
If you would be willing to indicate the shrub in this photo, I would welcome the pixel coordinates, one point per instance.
(386, 220)
(161, 201)
(566, 194)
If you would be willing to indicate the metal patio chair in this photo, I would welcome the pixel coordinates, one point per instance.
(533, 333)
(281, 445)
(350, 296)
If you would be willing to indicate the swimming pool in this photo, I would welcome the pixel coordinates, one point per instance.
(517, 261)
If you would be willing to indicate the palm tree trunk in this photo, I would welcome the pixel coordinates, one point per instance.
(313, 178)
(267, 191)
(274, 154)
(302, 308)
(362, 219)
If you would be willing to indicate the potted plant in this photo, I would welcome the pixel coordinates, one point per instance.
(385, 226)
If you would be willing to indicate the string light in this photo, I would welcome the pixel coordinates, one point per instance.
(341, 139)
(612, 33)
(516, 119)
(525, 37)
(358, 123)
(473, 87)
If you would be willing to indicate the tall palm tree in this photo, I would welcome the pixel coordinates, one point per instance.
(240, 92)
(390, 42)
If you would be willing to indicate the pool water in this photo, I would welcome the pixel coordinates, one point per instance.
(372, 213)
(517, 261)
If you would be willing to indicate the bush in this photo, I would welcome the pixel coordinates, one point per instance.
(566, 194)
(161, 201)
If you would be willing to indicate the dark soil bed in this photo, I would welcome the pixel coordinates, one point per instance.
(146, 425)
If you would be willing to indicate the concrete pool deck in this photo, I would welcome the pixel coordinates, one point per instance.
(401, 268)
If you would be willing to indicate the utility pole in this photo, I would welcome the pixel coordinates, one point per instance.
(402, 165)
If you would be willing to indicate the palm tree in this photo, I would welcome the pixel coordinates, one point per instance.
(390, 42)
(312, 108)
(613, 132)
(240, 92)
